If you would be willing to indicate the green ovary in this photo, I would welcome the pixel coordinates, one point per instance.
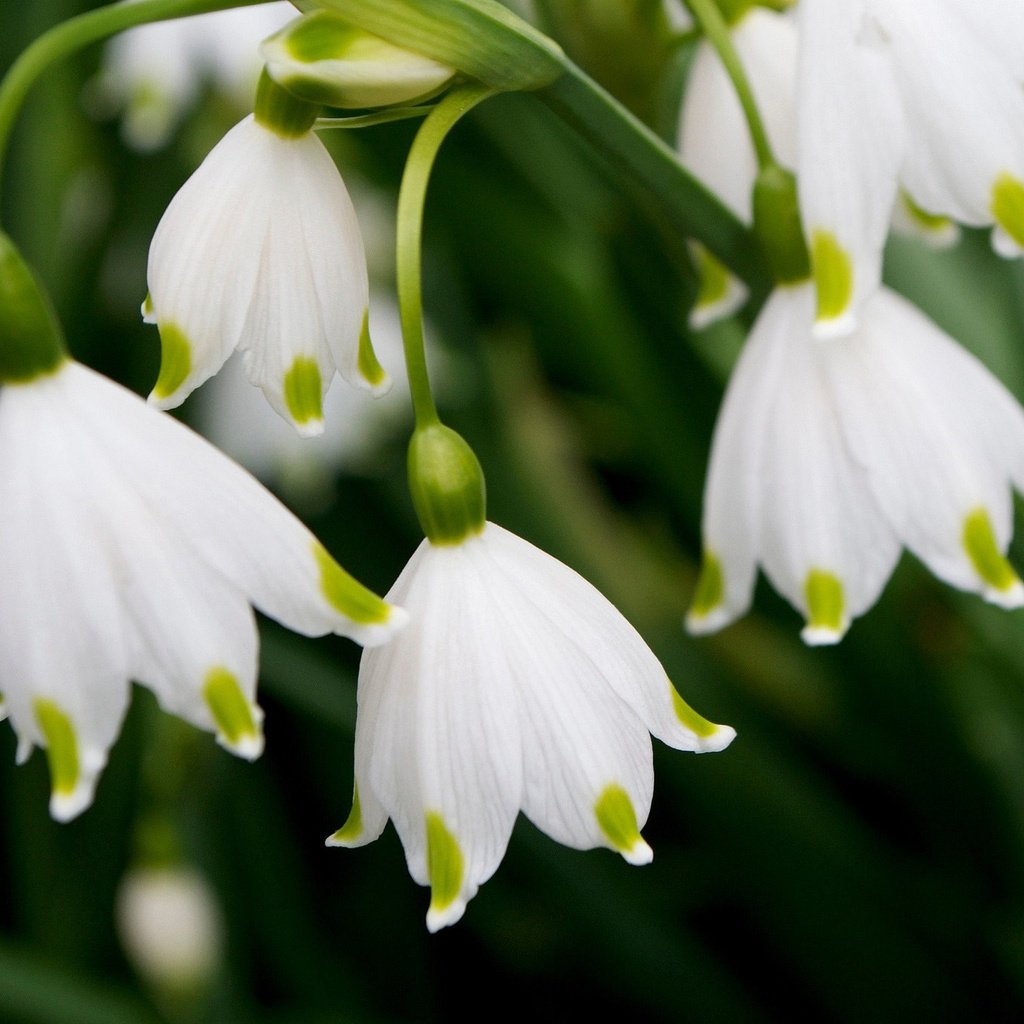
(617, 819)
(982, 549)
(230, 710)
(345, 594)
(175, 361)
(61, 745)
(303, 391)
(833, 275)
(825, 602)
(445, 864)
(1008, 206)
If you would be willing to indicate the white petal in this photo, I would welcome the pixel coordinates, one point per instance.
(206, 253)
(964, 111)
(587, 621)
(940, 437)
(438, 738)
(580, 738)
(732, 497)
(823, 541)
(222, 514)
(851, 138)
(63, 639)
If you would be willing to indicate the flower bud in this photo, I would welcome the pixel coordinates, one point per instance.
(31, 341)
(324, 59)
(447, 485)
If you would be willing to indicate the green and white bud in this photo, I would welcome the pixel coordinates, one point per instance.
(323, 58)
(447, 485)
(31, 340)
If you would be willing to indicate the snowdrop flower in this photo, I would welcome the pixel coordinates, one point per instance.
(515, 686)
(926, 94)
(132, 550)
(714, 142)
(828, 458)
(260, 250)
(154, 72)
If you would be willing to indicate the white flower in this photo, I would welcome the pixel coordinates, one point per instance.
(926, 94)
(155, 72)
(170, 926)
(714, 141)
(515, 686)
(132, 550)
(260, 250)
(828, 457)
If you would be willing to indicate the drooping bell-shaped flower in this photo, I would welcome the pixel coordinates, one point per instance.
(516, 686)
(133, 550)
(260, 250)
(926, 94)
(827, 458)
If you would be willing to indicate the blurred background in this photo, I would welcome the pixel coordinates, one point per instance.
(857, 854)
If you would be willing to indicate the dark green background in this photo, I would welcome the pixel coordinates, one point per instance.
(857, 854)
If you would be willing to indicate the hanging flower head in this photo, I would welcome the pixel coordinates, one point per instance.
(828, 458)
(261, 251)
(132, 550)
(516, 686)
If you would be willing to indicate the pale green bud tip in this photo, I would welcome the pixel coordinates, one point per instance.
(348, 596)
(238, 721)
(777, 225)
(325, 59)
(826, 609)
(447, 485)
(1001, 585)
(617, 821)
(304, 396)
(446, 868)
(281, 112)
(175, 362)
(352, 830)
(710, 737)
(833, 277)
(68, 796)
(31, 341)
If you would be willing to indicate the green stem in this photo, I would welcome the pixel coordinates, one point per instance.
(73, 35)
(709, 17)
(411, 198)
(369, 120)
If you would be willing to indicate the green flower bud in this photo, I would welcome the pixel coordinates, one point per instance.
(777, 225)
(447, 485)
(481, 38)
(323, 58)
(31, 341)
(281, 112)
